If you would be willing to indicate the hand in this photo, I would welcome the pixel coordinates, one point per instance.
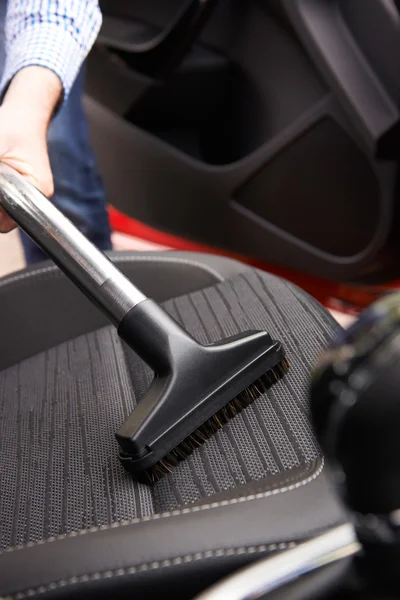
(23, 147)
(24, 119)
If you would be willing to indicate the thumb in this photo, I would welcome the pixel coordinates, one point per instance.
(39, 175)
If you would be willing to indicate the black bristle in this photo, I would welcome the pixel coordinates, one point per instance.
(214, 423)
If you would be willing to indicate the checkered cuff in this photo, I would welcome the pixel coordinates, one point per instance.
(47, 45)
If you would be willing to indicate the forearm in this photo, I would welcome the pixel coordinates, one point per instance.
(56, 35)
(25, 115)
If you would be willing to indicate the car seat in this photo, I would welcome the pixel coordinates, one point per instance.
(73, 524)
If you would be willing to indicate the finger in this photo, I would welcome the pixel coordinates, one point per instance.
(6, 224)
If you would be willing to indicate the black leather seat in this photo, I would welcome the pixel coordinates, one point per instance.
(72, 522)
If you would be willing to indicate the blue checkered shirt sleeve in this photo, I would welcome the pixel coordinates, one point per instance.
(56, 34)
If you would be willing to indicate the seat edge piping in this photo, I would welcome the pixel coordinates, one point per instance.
(179, 560)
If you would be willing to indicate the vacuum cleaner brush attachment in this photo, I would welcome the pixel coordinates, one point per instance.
(196, 389)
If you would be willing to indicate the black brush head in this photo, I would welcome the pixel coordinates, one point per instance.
(196, 389)
(205, 431)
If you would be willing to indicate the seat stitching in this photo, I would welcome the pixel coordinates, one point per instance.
(175, 513)
(150, 566)
(121, 259)
(22, 276)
